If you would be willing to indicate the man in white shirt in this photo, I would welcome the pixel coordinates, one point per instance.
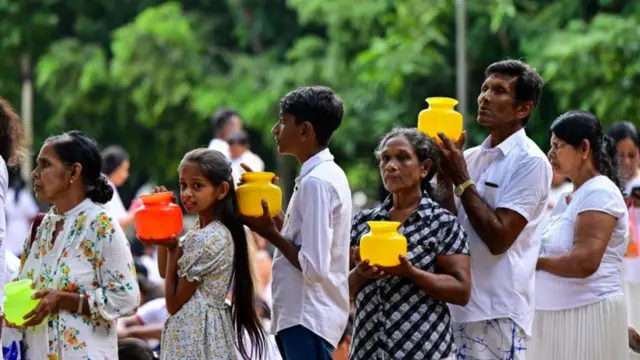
(502, 188)
(240, 154)
(224, 122)
(311, 263)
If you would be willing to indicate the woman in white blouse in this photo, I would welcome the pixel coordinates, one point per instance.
(116, 165)
(11, 137)
(79, 260)
(580, 307)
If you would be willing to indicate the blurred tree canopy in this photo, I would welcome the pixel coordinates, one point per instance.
(148, 74)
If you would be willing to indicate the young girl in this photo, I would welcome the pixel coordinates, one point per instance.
(198, 269)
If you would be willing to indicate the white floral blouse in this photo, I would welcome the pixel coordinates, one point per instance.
(90, 255)
(202, 328)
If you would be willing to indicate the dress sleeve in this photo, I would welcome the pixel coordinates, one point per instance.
(117, 293)
(205, 251)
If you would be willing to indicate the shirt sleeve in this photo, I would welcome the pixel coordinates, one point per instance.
(452, 238)
(117, 293)
(605, 200)
(204, 252)
(317, 229)
(528, 188)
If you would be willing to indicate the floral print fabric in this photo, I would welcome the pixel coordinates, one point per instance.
(90, 255)
(202, 328)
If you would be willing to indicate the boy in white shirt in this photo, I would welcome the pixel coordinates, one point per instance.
(311, 263)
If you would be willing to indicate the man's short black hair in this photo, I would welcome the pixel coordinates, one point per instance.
(623, 130)
(529, 84)
(318, 105)
(221, 118)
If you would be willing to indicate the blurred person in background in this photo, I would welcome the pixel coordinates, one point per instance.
(116, 165)
(11, 140)
(224, 122)
(20, 208)
(239, 148)
(628, 146)
(580, 308)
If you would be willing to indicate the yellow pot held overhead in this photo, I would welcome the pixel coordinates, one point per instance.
(257, 186)
(441, 117)
(383, 244)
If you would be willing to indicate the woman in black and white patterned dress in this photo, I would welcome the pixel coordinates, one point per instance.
(401, 312)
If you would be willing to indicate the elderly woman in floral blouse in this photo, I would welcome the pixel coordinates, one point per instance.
(401, 312)
(79, 260)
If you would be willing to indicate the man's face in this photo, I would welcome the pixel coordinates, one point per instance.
(232, 126)
(497, 103)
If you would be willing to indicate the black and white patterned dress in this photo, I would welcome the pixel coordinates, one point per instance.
(394, 318)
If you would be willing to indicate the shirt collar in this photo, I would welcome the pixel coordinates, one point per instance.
(54, 217)
(315, 160)
(423, 210)
(505, 146)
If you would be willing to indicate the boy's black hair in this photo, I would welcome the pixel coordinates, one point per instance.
(318, 105)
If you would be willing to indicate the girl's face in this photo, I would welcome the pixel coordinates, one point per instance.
(197, 193)
(400, 167)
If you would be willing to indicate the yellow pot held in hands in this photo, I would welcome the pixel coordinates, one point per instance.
(441, 117)
(383, 244)
(257, 186)
(18, 301)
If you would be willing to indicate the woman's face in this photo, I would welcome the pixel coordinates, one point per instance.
(400, 168)
(629, 158)
(120, 175)
(566, 159)
(51, 177)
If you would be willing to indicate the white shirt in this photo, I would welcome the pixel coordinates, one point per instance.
(4, 185)
(153, 312)
(115, 207)
(20, 215)
(503, 285)
(318, 222)
(220, 145)
(559, 293)
(248, 158)
(631, 266)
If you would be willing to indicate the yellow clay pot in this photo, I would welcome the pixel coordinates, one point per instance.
(383, 244)
(257, 186)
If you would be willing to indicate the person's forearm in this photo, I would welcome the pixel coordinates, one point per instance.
(485, 221)
(69, 301)
(162, 261)
(566, 265)
(171, 279)
(279, 220)
(445, 189)
(153, 331)
(356, 282)
(287, 249)
(442, 287)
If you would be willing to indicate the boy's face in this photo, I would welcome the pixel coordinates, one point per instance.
(289, 135)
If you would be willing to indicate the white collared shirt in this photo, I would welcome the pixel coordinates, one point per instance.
(514, 175)
(318, 222)
(220, 145)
